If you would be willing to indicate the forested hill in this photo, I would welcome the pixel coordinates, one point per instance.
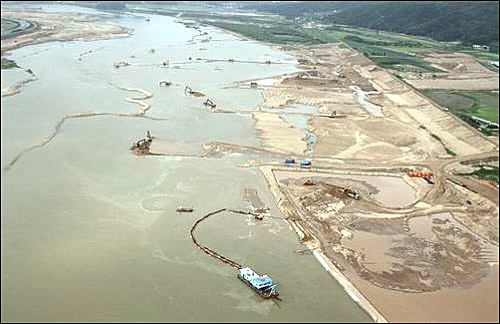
(472, 22)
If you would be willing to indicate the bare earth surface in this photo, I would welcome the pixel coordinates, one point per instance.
(459, 71)
(59, 27)
(431, 249)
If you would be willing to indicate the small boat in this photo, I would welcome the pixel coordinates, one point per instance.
(181, 209)
(262, 285)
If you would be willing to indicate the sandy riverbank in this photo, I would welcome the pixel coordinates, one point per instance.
(275, 133)
(57, 26)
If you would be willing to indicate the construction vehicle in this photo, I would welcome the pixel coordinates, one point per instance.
(351, 193)
(305, 163)
(428, 179)
(308, 182)
(259, 213)
(209, 103)
(142, 146)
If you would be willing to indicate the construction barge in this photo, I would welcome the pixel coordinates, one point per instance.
(262, 285)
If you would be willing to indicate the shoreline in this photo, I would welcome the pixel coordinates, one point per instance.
(332, 270)
(53, 27)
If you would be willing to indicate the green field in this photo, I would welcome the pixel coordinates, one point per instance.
(483, 104)
(486, 172)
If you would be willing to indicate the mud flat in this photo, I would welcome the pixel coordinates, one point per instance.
(59, 27)
(389, 191)
(277, 134)
(172, 148)
(419, 263)
(474, 299)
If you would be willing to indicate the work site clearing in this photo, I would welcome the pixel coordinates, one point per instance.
(372, 175)
(437, 237)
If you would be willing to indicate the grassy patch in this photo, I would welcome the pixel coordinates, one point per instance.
(482, 104)
(394, 52)
(279, 34)
(486, 172)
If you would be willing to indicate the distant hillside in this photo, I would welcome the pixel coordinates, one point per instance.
(470, 22)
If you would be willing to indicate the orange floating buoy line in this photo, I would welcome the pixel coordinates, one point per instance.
(419, 174)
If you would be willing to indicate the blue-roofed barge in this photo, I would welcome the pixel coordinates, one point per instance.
(262, 285)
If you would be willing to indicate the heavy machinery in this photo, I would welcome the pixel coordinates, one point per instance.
(351, 193)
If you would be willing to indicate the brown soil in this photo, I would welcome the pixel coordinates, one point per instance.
(437, 248)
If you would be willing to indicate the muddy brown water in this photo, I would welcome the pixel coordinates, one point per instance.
(389, 191)
(89, 230)
(474, 303)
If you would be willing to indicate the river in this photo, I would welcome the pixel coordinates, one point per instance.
(90, 232)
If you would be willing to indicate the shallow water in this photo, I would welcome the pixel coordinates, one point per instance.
(90, 232)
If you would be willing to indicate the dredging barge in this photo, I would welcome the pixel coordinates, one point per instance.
(262, 285)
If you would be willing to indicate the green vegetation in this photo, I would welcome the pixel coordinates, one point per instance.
(468, 21)
(14, 27)
(465, 104)
(280, 34)
(379, 52)
(486, 172)
(8, 64)
(450, 152)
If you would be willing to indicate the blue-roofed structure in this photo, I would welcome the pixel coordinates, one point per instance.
(261, 282)
(255, 280)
